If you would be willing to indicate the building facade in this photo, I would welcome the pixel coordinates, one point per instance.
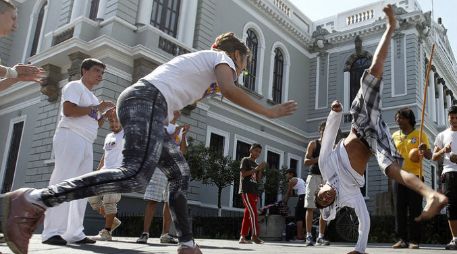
(294, 58)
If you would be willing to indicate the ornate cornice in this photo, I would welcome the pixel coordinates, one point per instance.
(282, 20)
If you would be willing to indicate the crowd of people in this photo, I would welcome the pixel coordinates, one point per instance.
(144, 153)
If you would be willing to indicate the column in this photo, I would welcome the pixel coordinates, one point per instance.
(432, 96)
(346, 89)
(186, 25)
(440, 108)
(144, 12)
(74, 72)
(101, 10)
(80, 7)
(50, 86)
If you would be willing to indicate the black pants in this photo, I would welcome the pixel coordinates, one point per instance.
(409, 206)
(449, 180)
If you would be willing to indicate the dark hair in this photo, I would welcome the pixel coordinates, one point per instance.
(254, 146)
(318, 205)
(89, 62)
(292, 171)
(229, 43)
(407, 113)
(5, 5)
(452, 110)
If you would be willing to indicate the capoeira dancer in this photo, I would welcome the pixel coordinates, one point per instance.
(143, 109)
(343, 167)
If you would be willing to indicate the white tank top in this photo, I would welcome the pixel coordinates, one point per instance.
(299, 186)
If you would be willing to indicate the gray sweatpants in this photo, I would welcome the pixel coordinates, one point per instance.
(141, 109)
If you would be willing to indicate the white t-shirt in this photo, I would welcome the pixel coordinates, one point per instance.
(443, 139)
(113, 146)
(185, 78)
(85, 126)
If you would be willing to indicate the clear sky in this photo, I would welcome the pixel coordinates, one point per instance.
(447, 9)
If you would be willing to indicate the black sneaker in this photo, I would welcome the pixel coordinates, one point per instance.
(55, 240)
(86, 240)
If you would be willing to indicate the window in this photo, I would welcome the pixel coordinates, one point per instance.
(433, 177)
(216, 143)
(11, 159)
(38, 27)
(293, 164)
(94, 9)
(273, 161)
(253, 43)
(357, 69)
(242, 150)
(165, 15)
(278, 72)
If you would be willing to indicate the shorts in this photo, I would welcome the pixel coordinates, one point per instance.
(107, 201)
(368, 124)
(450, 190)
(300, 210)
(157, 189)
(312, 184)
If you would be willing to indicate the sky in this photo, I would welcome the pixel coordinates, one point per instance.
(446, 9)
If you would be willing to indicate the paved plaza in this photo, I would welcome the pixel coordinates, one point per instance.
(127, 245)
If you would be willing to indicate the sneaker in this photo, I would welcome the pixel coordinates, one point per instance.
(257, 240)
(413, 245)
(322, 242)
(167, 238)
(103, 235)
(20, 219)
(55, 240)
(116, 224)
(2, 239)
(143, 238)
(400, 245)
(184, 249)
(309, 241)
(244, 241)
(86, 240)
(452, 245)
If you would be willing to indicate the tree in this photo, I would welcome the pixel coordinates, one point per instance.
(275, 180)
(212, 168)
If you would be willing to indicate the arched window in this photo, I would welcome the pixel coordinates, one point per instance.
(94, 9)
(356, 71)
(165, 15)
(278, 73)
(38, 27)
(253, 43)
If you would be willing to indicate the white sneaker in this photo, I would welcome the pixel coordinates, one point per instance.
(166, 238)
(116, 224)
(103, 235)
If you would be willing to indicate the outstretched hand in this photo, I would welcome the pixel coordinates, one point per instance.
(27, 72)
(390, 15)
(284, 109)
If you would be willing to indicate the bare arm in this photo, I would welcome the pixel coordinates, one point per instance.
(224, 75)
(290, 186)
(5, 83)
(259, 168)
(101, 163)
(380, 55)
(72, 110)
(309, 160)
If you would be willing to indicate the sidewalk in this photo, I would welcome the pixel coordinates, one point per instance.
(127, 245)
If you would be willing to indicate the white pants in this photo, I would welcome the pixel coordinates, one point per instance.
(73, 157)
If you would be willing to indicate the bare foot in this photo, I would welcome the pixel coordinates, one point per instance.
(435, 202)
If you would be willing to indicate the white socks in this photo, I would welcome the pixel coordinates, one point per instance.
(190, 243)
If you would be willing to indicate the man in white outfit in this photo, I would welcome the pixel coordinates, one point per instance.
(343, 167)
(73, 140)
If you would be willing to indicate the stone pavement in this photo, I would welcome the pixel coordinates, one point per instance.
(127, 245)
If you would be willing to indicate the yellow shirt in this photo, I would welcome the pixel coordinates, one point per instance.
(404, 144)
